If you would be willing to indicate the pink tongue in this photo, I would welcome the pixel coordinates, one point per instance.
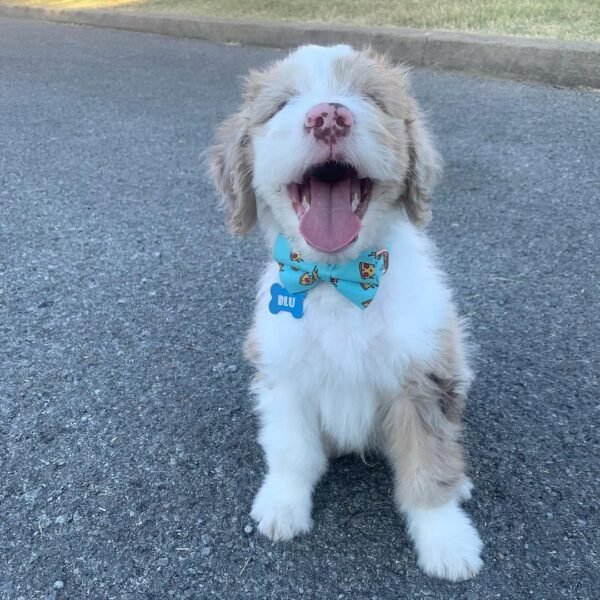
(330, 224)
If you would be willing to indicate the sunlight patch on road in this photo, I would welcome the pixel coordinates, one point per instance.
(80, 4)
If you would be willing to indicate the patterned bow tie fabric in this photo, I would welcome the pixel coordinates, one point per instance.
(357, 280)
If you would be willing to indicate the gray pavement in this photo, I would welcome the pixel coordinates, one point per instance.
(127, 443)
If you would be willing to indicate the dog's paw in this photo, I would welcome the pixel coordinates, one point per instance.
(282, 511)
(447, 544)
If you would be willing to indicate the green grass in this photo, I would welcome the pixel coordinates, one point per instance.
(561, 19)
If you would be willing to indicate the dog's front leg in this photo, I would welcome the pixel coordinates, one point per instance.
(423, 447)
(295, 458)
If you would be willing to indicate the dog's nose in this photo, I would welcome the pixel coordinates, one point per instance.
(329, 121)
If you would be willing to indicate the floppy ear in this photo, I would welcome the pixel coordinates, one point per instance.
(231, 160)
(424, 169)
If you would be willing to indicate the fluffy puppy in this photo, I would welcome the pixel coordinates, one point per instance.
(330, 155)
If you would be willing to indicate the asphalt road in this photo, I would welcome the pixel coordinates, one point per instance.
(127, 443)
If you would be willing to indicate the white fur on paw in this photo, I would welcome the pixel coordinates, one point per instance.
(465, 490)
(447, 544)
(281, 510)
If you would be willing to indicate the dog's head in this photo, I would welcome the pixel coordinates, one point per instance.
(327, 146)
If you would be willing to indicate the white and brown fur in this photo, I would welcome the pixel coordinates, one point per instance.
(393, 377)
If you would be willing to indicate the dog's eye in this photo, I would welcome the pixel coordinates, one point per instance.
(279, 108)
(376, 100)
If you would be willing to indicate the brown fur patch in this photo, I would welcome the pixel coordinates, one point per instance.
(231, 169)
(267, 91)
(450, 403)
(374, 76)
(423, 172)
(422, 426)
(386, 85)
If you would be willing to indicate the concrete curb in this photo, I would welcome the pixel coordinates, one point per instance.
(545, 61)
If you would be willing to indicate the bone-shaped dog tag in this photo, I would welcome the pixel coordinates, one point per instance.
(282, 300)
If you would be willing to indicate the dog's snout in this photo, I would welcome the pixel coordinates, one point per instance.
(329, 121)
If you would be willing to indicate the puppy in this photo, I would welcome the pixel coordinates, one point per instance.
(356, 340)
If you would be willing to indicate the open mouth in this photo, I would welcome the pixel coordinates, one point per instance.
(330, 203)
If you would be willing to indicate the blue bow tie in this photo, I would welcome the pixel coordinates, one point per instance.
(357, 279)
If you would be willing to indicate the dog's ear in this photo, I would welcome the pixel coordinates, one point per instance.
(231, 160)
(424, 169)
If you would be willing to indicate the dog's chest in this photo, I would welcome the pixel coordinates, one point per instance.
(344, 358)
(336, 355)
(334, 344)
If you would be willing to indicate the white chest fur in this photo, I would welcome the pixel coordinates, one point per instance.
(340, 358)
